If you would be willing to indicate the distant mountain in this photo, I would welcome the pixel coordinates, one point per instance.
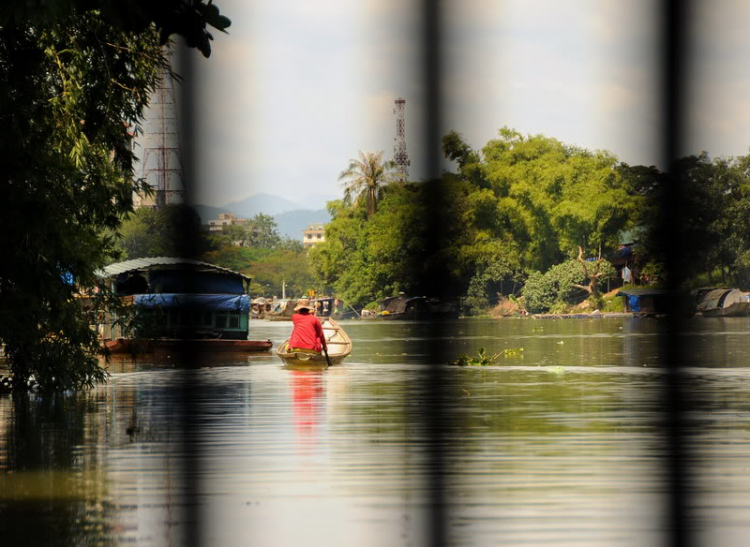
(315, 201)
(261, 203)
(291, 217)
(292, 223)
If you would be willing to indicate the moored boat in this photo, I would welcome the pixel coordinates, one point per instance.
(208, 345)
(339, 348)
(724, 303)
(178, 305)
(414, 308)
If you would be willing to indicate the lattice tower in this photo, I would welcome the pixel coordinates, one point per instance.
(400, 155)
(162, 159)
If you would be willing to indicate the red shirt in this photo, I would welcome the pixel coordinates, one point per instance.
(307, 332)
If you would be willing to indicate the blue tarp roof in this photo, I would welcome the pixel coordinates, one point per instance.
(213, 302)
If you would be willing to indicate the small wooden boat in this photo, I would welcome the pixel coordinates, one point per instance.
(339, 347)
(130, 345)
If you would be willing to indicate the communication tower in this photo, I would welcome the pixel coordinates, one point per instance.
(400, 155)
(162, 159)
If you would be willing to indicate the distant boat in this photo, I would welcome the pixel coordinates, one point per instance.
(328, 306)
(403, 307)
(724, 303)
(282, 311)
(339, 348)
(180, 304)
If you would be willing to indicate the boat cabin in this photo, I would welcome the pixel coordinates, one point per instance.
(180, 298)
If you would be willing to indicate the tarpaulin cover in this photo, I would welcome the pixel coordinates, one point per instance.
(213, 302)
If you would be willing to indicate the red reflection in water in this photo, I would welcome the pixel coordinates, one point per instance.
(307, 393)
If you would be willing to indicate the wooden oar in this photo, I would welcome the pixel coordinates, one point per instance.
(328, 359)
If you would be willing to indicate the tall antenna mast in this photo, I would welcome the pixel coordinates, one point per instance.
(162, 159)
(400, 155)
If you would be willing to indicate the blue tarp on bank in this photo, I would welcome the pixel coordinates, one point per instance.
(213, 302)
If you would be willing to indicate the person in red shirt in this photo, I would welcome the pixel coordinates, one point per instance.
(307, 335)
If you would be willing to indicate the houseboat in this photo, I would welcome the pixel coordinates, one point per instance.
(179, 303)
(724, 303)
(403, 307)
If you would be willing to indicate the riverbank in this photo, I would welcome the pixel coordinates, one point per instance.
(592, 315)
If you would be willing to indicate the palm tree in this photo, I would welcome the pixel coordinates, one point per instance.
(365, 178)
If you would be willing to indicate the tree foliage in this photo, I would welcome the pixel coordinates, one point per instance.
(716, 201)
(561, 284)
(173, 230)
(74, 82)
(260, 232)
(365, 178)
(255, 248)
(517, 206)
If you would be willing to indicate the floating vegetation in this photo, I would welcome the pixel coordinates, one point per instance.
(483, 359)
(513, 352)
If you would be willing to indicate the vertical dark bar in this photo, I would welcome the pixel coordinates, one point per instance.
(189, 362)
(435, 277)
(674, 355)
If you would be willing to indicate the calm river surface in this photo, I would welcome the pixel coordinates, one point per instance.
(559, 444)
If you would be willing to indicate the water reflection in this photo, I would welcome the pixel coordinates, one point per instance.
(53, 486)
(561, 445)
(307, 400)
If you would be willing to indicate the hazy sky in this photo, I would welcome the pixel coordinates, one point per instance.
(299, 86)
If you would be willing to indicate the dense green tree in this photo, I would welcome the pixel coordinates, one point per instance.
(255, 248)
(75, 77)
(716, 201)
(259, 232)
(173, 230)
(562, 284)
(555, 196)
(365, 179)
(518, 205)
(234, 257)
(282, 266)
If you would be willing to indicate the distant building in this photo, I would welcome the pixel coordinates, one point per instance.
(225, 219)
(314, 234)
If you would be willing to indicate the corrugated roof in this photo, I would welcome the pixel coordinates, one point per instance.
(146, 263)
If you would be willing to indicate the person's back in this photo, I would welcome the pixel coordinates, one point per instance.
(308, 332)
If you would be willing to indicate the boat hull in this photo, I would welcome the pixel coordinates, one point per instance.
(737, 309)
(128, 345)
(306, 360)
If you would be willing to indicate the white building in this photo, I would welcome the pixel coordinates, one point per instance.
(225, 219)
(314, 234)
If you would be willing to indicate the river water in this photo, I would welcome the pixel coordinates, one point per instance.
(558, 444)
